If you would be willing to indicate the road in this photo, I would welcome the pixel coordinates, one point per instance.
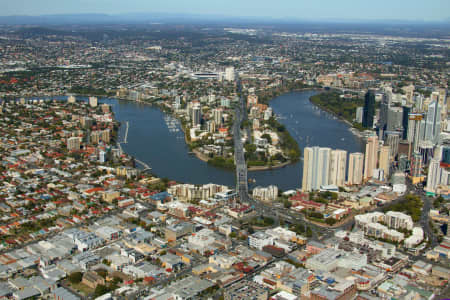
(239, 156)
(425, 220)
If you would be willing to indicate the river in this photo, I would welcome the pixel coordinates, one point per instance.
(151, 141)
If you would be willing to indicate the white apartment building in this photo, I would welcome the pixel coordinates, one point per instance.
(260, 239)
(395, 219)
(338, 167)
(282, 233)
(355, 168)
(93, 102)
(415, 239)
(269, 193)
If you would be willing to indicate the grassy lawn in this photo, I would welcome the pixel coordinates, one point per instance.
(81, 288)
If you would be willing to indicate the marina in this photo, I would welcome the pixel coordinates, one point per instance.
(173, 124)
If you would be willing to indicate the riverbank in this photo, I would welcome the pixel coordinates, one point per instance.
(265, 168)
(288, 87)
(355, 131)
(334, 114)
(200, 155)
(206, 158)
(343, 110)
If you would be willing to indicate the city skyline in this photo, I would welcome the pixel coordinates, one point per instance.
(326, 10)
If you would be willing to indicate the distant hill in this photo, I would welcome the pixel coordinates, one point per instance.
(146, 17)
(42, 24)
(57, 19)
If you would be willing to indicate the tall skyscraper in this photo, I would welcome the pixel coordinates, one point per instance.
(443, 98)
(443, 104)
(211, 126)
(384, 108)
(106, 136)
(394, 119)
(93, 101)
(355, 168)
(73, 143)
(403, 163)
(230, 74)
(316, 168)
(86, 122)
(445, 157)
(416, 168)
(433, 122)
(96, 136)
(217, 116)
(418, 101)
(323, 167)
(438, 152)
(105, 108)
(308, 169)
(415, 132)
(409, 92)
(71, 99)
(256, 124)
(369, 109)
(102, 156)
(434, 176)
(393, 141)
(426, 150)
(434, 96)
(405, 121)
(338, 164)
(177, 102)
(370, 161)
(384, 161)
(196, 115)
(445, 177)
(359, 114)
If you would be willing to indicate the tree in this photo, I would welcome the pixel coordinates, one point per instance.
(309, 232)
(102, 272)
(330, 221)
(250, 148)
(75, 277)
(438, 201)
(100, 290)
(106, 262)
(267, 137)
(287, 203)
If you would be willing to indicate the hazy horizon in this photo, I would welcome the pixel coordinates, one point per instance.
(344, 10)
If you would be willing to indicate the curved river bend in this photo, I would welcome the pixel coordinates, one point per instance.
(151, 141)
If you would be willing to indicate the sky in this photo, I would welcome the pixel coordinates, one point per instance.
(413, 10)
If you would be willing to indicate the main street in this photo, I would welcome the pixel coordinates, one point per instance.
(425, 220)
(239, 156)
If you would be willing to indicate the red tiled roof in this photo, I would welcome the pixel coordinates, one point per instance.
(94, 190)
